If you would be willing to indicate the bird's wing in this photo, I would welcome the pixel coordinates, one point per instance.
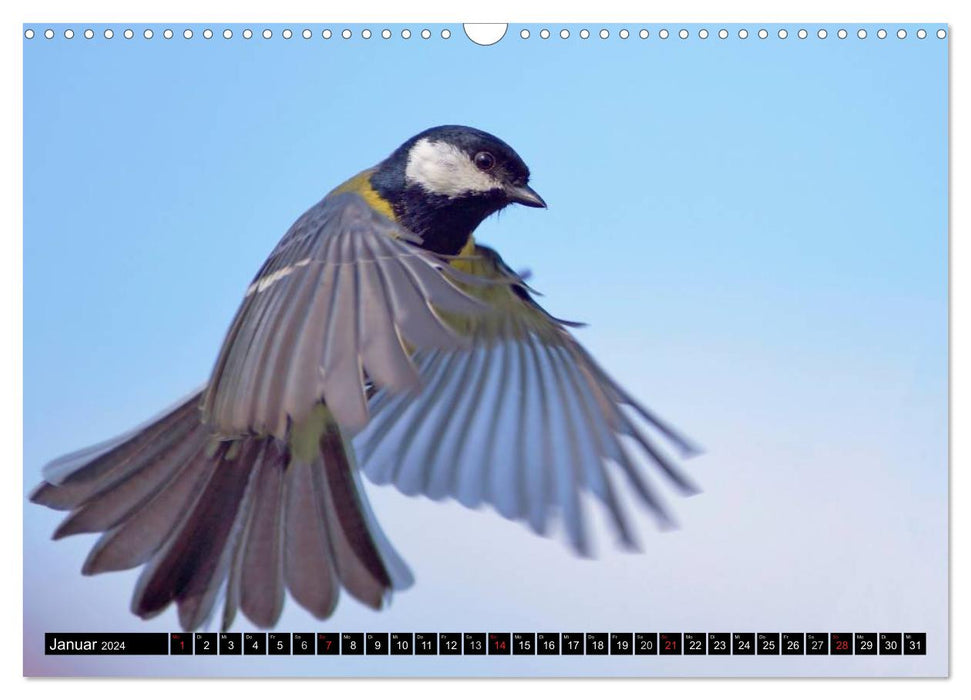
(339, 297)
(524, 420)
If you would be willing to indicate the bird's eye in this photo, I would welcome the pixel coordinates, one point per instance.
(484, 160)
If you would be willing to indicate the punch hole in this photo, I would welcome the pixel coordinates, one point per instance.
(941, 33)
(426, 34)
(841, 33)
(287, 33)
(486, 34)
(327, 34)
(266, 33)
(365, 33)
(346, 34)
(623, 34)
(306, 34)
(228, 34)
(683, 34)
(702, 33)
(29, 34)
(89, 34)
(584, 33)
(207, 34)
(524, 34)
(247, 33)
(861, 33)
(722, 33)
(564, 33)
(643, 34)
(385, 33)
(901, 33)
(803, 34)
(881, 34)
(743, 33)
(921, 34)
(168, 34)
(763, 34)
(109, 33)
(783, 34)
(405, 33)
(446, 34)
(544, 33)
(821, 34)
(187, 34)
(49, 34)
(129, 34)
(68, 33)
(604, 33)
(148, 34)
(663, 34)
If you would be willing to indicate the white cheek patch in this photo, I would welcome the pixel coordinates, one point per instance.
(441, 168)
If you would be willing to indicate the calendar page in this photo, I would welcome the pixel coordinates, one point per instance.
(519, 350)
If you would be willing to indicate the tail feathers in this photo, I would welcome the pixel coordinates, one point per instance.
(308, 565)
(241, 516)
(192, 563)
(74, 479)
(262, 588)
(282, 543)
(118, 502)
(359, 562)
(133, 541)
(97, 462)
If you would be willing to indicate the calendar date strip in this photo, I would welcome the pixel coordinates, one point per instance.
(487, 644)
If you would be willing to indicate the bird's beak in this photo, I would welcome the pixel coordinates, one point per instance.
(524, 194)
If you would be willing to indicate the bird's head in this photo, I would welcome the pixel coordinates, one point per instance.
(445, 181)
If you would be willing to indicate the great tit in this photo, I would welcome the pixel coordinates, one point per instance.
(377, 326)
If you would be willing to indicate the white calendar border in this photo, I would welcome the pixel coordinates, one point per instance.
(11, 304)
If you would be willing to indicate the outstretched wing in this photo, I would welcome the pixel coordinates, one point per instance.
(524, 419)
(339, 297)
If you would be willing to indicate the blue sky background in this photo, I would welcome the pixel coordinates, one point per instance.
(756, 231)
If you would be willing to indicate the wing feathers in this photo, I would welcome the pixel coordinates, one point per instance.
(340, 297)
(382, 348)
(523, 419)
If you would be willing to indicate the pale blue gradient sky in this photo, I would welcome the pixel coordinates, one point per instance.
(755, 231)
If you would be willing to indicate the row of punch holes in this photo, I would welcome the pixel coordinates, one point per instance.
(446, 33)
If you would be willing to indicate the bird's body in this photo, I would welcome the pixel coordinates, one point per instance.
(377, 317)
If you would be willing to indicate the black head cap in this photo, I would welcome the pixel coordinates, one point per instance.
(444, 181)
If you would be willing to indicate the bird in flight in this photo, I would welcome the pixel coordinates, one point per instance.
(378, 337)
